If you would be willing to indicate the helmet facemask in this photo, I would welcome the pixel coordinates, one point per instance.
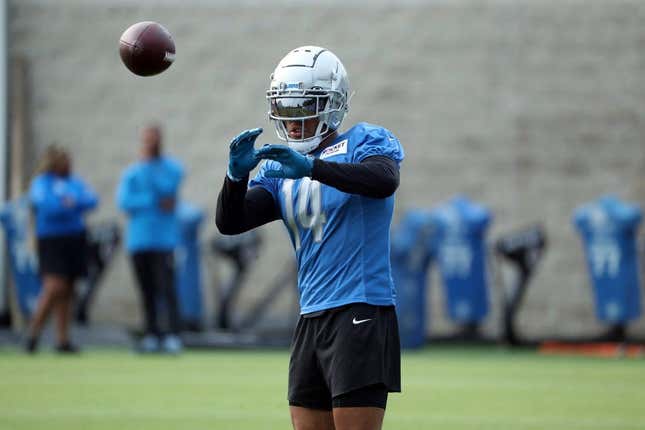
(288, 104)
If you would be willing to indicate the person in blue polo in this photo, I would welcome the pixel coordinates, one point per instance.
(59, 200)
(148, 193)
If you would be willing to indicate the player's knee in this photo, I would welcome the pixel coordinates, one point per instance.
(303, 418)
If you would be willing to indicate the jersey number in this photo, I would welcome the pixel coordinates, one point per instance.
(307, 211)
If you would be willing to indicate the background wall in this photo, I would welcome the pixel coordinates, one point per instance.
(530, 107)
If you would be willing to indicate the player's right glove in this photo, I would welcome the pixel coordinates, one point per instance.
(293, 164)
(241, 159)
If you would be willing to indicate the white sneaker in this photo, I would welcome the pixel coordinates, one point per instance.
(172, 344)
(149, 343)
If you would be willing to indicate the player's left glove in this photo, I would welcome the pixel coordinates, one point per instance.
(293, 164)
(242, 157)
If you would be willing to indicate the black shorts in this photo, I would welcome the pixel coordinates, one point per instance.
(63, 255)
(344, 355)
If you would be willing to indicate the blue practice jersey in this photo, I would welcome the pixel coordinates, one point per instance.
(342, 241)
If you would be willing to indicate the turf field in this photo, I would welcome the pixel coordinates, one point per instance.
(444, 388)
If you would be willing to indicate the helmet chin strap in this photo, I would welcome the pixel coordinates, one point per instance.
(305, 146)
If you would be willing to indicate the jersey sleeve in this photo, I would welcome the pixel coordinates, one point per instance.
(269, 184)
(130, 198)
(169, 183)
(37, 192)
(378, 141)
(87, 198)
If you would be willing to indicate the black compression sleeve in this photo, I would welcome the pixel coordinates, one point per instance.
(240, 210)
(376, 176)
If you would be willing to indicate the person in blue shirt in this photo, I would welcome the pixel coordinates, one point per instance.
(59, 200)
(334, 193)
(148, 193)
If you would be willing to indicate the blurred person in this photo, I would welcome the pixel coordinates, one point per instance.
(148, 193)
(335, 194)
(59, 200)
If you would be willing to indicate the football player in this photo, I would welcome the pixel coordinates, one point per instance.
(335, 194)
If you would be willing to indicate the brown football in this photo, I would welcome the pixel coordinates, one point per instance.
(147, 48)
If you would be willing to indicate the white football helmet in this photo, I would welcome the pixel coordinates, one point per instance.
(309, 82)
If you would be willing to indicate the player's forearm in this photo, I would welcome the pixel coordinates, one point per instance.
(375, 177)
(132, 202)
(88, 201)
(56, 212)
(52, 206)
(240, 209)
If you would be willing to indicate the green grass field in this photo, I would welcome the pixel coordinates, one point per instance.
(444, 388)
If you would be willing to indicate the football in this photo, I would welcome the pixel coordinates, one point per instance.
(147, 48)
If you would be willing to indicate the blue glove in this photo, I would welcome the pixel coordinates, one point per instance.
(241, 158)
(294, 164)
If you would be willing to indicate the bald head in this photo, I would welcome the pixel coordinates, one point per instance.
(150, 142)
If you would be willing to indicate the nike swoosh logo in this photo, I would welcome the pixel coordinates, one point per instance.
(356, 322)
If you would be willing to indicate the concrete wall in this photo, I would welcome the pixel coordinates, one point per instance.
(531, 107)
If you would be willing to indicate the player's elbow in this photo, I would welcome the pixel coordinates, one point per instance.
(222, 226)
(388, 187)
(226, 226)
